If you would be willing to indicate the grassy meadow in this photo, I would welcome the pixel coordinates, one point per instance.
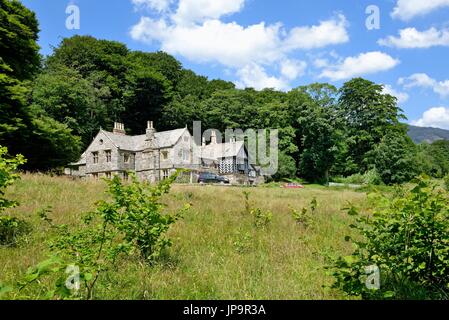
(217, 252)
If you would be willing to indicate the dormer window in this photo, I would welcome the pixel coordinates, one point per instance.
(164, 155)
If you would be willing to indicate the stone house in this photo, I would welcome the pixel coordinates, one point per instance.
(154, 156)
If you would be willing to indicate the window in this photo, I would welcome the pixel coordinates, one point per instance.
(108, 155)
(164, 155)
(165, 174)
(185, 154)
(95, 175)
(95, 156)
(126, 157)
(125, 176)
(108, 175)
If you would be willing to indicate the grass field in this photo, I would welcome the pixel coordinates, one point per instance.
(217, 251)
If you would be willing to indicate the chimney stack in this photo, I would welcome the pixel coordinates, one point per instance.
(213, 137)
(119, 128)
(150, 131)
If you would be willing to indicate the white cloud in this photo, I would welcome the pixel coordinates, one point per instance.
(321, 63)
(196, 32)
(227, 43)
(424, 81)
(214, 41)
(255, 76)
(292, 69)
(364, 63)
(412, 38)
(157, 5)
(437, 117)
(401, 96)
(199, 10)
(408, 9)
(328, 32)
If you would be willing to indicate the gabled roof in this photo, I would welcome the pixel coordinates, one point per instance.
(80, 162)
(164, 139)
(223, 150)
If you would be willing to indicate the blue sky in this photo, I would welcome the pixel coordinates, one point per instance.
(281, 44)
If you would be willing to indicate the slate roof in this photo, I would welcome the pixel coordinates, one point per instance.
(81, 161)
(167, 139)
(222, 150)
(164, 139)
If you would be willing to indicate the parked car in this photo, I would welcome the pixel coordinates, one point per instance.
(293, 186)
(208, 177)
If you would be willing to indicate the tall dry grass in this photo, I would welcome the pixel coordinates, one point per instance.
(217, 251)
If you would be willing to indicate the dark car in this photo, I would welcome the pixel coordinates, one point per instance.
(207, 177)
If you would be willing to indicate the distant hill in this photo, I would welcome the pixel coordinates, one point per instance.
(421, 134)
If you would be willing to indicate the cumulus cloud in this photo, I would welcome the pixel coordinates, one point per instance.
(424, 81)
(437, 117)
(190, 11)
(327, 32)
(292, 69)
(412, 38)
(213, 41)
(401, 96)
(364, 63)
(228, 43)
(157, 5)
(196, 32)
(255, 76)
(408, 9)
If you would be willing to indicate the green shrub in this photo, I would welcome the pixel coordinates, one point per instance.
(132, 222)
(370, 177)
(247, 211)
(261, 218)
(11, 229)
(446, 182)
(301, 217)
(353, 179)
(243, 243)
(407, 239)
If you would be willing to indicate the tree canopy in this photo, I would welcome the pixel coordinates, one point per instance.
(52, 107)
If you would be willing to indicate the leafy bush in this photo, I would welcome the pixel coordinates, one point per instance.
(446, 182)
(261, 218)
(370, 177)
(353, 179)
(301, 217)
(10, 228)
(246, 194)
(243, 242)
(131, 222)
(407, 239)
